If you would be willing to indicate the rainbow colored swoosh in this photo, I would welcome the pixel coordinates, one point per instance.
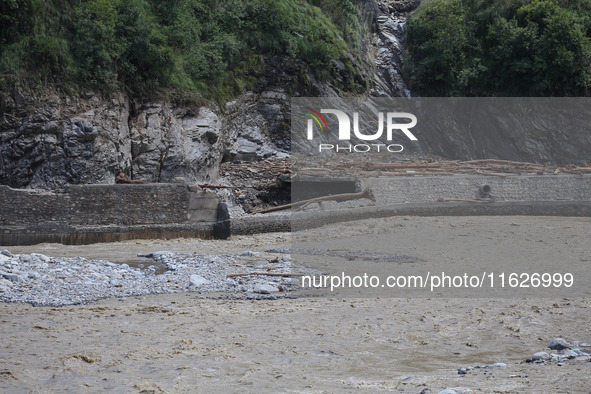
(316, 118)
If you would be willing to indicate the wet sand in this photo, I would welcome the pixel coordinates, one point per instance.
(196, 343)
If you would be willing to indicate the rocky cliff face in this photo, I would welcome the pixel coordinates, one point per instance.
(168, 142)
(390, 18)
(52, 141)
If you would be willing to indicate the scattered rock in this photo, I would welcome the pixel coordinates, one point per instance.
(265, 289)
(458, 390)
(5, 283)
(571, 354)
(6, 253)
(25, 258)
(498, 365)
(559, 344)
(14, 278)
(71, 281)
(157, 256)
(197, 280)
(462, 371)
(541, 356)
(250, 254)
(40, 257)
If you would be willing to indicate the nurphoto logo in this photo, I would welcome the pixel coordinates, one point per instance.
(393, 124)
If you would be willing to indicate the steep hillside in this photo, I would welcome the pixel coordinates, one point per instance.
(192, 48)
(89, 89)
(94, 88)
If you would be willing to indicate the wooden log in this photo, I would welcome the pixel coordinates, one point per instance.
(490, 173)
(497, 161)
(122, 179)
(367, 193)
(385, 166)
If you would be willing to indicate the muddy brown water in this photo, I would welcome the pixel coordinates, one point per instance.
(192, 342)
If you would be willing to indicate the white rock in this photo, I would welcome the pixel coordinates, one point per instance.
(5, 283)
(265, 289)
(15, 278)
(198, 280)
(25, 258)
(40, 257)
(250, 254)
(541, 356)
(32, 275)
(571, 354)
(458, 390)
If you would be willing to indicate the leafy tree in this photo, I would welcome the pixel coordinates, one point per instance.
(522, 47)
(95, 42)
(209, 47)
(439, 41)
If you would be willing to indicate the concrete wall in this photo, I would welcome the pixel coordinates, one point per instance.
(28, 216)
(424, 189)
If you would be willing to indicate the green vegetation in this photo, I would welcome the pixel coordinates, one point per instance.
(500, 47)
(211, 48)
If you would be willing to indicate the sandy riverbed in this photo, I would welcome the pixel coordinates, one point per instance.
(193, 342)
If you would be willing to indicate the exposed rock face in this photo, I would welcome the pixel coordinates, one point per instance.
(253, 121)
(389, 39)
(168, 142)
(54, 141)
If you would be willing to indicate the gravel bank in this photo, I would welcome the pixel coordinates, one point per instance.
(40, 280)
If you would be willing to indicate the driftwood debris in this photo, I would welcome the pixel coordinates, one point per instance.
(122, 179)
(367, 193)
(432, 167)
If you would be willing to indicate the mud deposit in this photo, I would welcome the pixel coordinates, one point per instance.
(190, 342)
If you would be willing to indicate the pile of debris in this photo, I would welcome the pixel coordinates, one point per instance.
(436, 167)
(257, 185)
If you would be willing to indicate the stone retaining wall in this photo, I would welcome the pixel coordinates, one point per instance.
(106, 213)
(81, 214)
(424, 189)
